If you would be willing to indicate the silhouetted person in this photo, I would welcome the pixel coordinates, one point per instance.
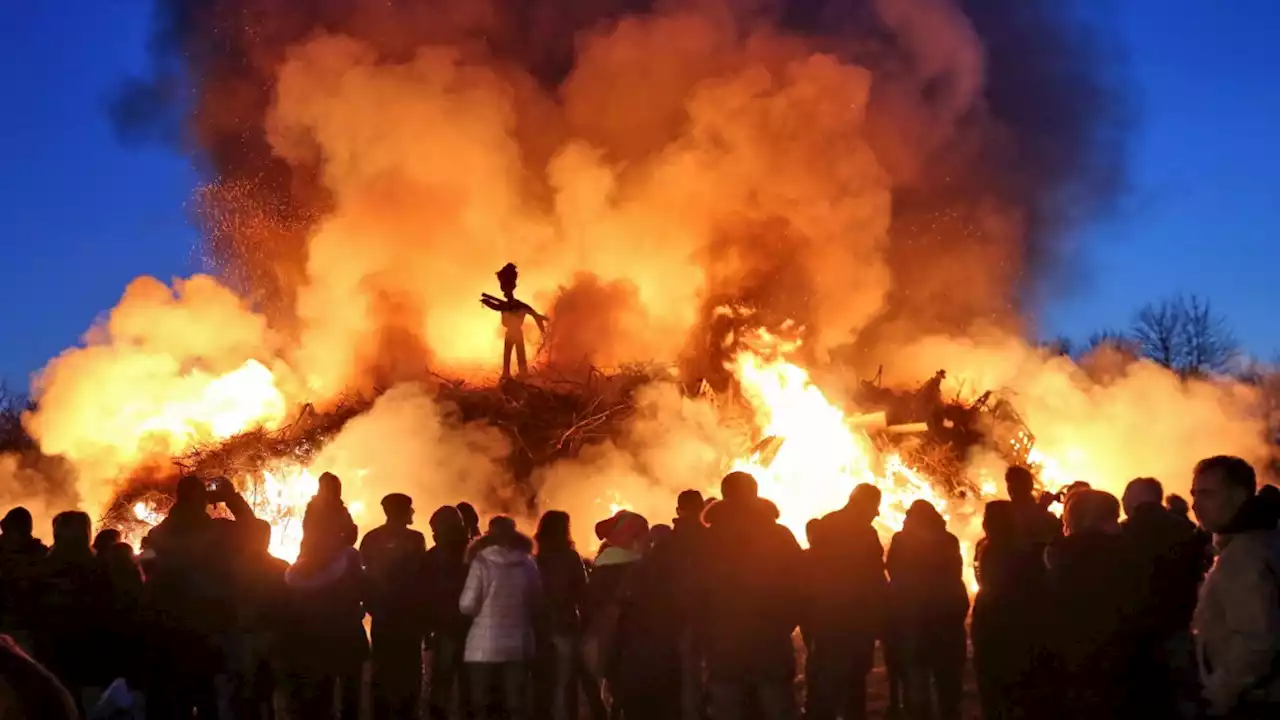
(502, 595)
(564, 584)
(1036, 524)
(1010, 656)
(1269, 499)
(28, 691)
(394, 558)
(20, 558)
(323, 643)
(470, 520)
(445, 576)
(262, 597)
(1168, 558)
(750, 590)
(190, 597)
(327, 526)
(1237, 621)
(74, 612)
(624, 540)
(929, 605)
(677, 561)
(125, 628)
(1092, 587)
(850, 603)
(646, 681)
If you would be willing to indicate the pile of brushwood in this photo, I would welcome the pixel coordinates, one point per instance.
(545, 419)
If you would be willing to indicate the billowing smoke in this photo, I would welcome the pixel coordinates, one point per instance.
(885, 166)
(868, 171)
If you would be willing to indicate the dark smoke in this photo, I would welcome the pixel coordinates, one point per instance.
(990, 203)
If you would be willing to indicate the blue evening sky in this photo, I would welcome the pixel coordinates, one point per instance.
(82, 215)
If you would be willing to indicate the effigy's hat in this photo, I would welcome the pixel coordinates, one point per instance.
(507, 276)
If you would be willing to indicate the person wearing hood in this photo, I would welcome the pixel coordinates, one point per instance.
(750, 604)
(1168, 557)
(323, 642)
(1237, 621)
(393, 560)
(444, 576)
(1093, 583)
(929, 604)
(20, 557)
(502, 595)
(850, 591)
(327, 525)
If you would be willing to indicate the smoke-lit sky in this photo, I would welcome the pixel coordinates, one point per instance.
(84, 215)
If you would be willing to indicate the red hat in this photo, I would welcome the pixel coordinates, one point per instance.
(624, 529)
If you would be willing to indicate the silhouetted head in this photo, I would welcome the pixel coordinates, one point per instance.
(1091, 511)
(1000, 520)
(1020, 483)
(738, 486)
(923, 516)
(398, 508)
(470, 519)
(18, 523)
(811, 529)
(658, 533)
(1077, 486)
(258, 536)
(447, 526)
(865, 501)
(1269, 500)
(330, 487)
(71, 530)
(1220, 487)
(105, 540)
(1178, 505)
(191, 491)
(689, 505)
(554, 532)
(1141, 491)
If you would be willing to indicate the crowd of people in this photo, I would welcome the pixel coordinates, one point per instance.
(720, 614)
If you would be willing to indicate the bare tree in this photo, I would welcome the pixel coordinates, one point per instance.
(1158, 329)
(1185, 335)
(1109, 338)
(1209, 345)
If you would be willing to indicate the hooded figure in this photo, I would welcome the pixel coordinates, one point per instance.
(327, 526)
(751, 600)
(929, 604)
(502, 596)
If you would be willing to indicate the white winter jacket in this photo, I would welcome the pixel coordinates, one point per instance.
(502, 594)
